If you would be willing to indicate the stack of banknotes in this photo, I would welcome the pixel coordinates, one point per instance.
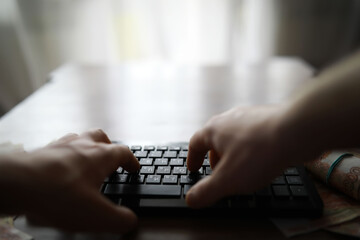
(340, 192)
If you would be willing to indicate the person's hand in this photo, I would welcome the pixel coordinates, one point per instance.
(58, 185)
(248, 148)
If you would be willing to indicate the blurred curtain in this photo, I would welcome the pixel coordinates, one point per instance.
(37, 36)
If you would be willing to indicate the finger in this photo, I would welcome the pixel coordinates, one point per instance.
(205, 193)
(122, 156)
(213, 158)
(96, 135)
(199, 145)
(211, 189)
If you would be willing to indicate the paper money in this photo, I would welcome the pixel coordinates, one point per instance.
(346, 175)
(338, 208)
(350, 228)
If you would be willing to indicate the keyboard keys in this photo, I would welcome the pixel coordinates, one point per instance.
(183, 154)
(206, 163)
(137, 178)
(186, 189)
(170, 154)
(147, 170)
(149, 148)
(120, 178)
(143, 190)
(161, 162)
(135, 148)
(208, 171)
(199, 172)
(163, 170)
(146, 162)
(153, 179)
(176, 162)
(281, 191)
(291, 171)
(140, 154)
(175, 148)
(190, 179)
(164, 177)
(170, 179)
(162, 148)
(155, 154)
(180, 170)
(298, 191)
(294, 180)
(279, 180)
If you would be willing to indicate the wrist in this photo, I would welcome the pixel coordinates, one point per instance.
(296, 137)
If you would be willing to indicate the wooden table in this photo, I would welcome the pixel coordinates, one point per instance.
(157, 103)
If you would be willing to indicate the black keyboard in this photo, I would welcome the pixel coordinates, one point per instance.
(161, 184)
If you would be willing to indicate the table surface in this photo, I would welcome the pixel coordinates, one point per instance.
(153, 103)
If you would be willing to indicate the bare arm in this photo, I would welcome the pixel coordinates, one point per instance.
(250, 146)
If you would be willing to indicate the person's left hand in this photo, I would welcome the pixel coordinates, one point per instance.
(58, 185)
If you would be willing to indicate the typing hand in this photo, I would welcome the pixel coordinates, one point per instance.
(248, 148)
(60, 186)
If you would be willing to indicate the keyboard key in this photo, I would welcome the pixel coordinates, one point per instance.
(190, 179)
(294, 180)
(170, 179)
(146, 162)
(183, 154)
(120, 178)
(199, 172)
(155, 154)
(154, 179)
(136, 148)
(279, 180)
(281, 191)
(298, 191)
(206, 163)
(170, 154)
(143, 190)
(175, 148)
(291, 171)
(208, 171)
(140, 154)
(163, 170)
(161, 162)
(162, 148)
(149, 148)
(180, 170)
(137, 178)
(176, 162)
(162, 203)
(186, 189)
(185, 148)
(147, 170)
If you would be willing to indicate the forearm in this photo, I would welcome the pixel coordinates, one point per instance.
(326, 114)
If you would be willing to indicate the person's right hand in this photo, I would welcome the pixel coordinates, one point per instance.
(248, 148)
(58, 185)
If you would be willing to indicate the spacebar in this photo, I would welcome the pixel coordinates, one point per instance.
(142, 190)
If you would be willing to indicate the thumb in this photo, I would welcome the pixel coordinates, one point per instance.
(206, 192)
